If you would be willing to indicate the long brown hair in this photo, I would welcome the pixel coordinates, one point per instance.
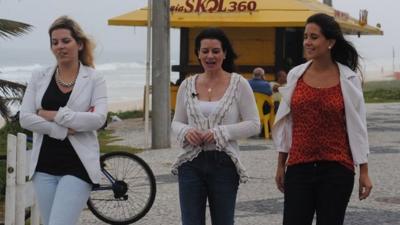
(343, 51)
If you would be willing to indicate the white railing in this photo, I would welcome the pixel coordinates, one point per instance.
(19, 192)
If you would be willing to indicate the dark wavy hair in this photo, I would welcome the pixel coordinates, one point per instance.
(214, 33)
(343, 51)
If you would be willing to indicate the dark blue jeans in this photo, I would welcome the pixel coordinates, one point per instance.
(323, 188)
(211, 175)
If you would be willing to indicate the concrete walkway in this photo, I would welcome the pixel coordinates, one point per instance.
(259, 202)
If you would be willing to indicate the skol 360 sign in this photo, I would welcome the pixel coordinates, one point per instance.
(212, 6)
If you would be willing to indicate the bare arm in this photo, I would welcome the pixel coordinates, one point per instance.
(49, 116)
(280, 171)
(365, 184)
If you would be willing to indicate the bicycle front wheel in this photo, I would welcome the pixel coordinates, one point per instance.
(132, 194)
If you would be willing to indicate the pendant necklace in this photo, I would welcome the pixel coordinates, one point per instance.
(209, 90)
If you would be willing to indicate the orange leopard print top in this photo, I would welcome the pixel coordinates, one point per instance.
(319, 128)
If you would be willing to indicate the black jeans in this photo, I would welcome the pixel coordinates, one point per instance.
(323, 188)
(210, 176)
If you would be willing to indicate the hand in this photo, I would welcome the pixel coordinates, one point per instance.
(47, 114)
(275, 88)
(194, 137)
(365, 186)
(208, 137)
(280, 178)
(71, 131)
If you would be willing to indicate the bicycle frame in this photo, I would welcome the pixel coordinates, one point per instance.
(98, 187)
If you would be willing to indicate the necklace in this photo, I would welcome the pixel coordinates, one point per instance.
(209, 90)
(63, 83)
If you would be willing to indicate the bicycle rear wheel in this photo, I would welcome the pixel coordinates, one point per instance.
(136, 181)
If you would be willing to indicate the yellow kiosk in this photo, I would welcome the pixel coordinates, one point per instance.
(265, 33)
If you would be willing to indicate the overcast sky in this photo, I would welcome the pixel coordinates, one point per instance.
(93, 16)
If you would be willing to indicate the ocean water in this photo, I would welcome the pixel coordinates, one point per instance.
(125, 73)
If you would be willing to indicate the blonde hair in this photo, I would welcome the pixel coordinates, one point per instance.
(86, 54)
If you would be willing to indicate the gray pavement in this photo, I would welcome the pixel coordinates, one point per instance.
(259, 202)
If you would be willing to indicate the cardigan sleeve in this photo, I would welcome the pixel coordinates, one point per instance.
(29, 119)
(180, 125)
(87, 121)
(249, 121)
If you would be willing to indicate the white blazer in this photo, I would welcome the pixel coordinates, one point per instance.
(355, 112)
(89, 91)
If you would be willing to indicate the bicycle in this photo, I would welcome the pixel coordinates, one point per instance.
(127, 190)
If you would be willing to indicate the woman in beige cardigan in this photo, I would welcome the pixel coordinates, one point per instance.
(213, 110)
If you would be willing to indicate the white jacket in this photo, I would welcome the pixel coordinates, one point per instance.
(355, 112)
(89, 91)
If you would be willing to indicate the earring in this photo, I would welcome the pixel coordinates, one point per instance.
(329, 47)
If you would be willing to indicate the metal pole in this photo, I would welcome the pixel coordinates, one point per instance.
(161, 113)
(394, 55)
(328, 2)
(147, 86)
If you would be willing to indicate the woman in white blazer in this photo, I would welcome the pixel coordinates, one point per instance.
(63, 106)
(320, 129)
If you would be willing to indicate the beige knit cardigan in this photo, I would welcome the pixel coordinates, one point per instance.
(235, 117)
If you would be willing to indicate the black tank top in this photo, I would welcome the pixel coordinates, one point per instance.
(58, 157)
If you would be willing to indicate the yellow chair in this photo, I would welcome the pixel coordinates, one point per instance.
(173, 91)
(267, 120)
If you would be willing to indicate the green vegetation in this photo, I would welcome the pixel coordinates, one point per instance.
(106, 139)
(126, 114)
(382, 91)
(3, 165)
(10, 128)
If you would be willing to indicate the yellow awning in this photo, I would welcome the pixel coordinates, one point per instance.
(250, 13)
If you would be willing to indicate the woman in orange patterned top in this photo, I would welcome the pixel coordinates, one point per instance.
(320, 129)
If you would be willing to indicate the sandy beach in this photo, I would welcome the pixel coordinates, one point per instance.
(125, 105)
(378, 75)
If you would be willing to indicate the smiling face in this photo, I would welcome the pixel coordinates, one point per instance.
(64, 46)
(211, 55)
(315, 43)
